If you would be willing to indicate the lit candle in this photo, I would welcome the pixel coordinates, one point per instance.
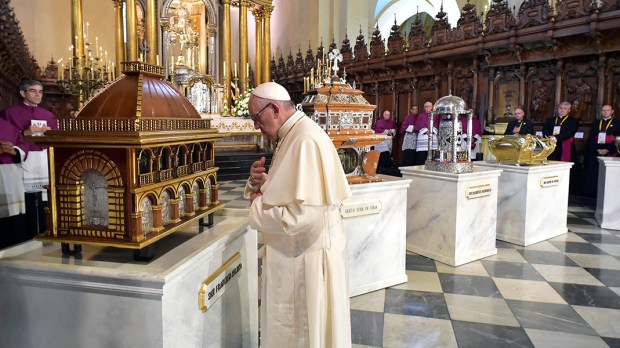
(62, 72)
(97, 45)
(247, 70)
(224, 69)
(157, 60)
(235, 70)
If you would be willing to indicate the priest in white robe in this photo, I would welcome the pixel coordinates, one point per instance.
(304, 295)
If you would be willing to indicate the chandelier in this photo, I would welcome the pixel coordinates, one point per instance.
(86, 74)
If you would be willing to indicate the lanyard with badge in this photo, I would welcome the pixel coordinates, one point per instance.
(556, 129)
(602, 135)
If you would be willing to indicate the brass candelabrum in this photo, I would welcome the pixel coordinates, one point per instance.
(85, 75)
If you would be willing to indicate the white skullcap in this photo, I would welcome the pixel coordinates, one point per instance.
(272, 91)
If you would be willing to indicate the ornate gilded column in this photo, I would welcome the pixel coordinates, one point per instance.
(258, 60)
(266, 75)
(243, 44)
(227, 63)
(151, 32)
(211, 56)
(77, 28)
(118, 35)
(132, 32)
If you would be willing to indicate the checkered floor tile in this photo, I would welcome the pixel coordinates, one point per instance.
(564, 292)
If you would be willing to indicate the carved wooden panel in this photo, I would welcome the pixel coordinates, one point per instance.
(506, 92)
(540, 92)
(580, 87)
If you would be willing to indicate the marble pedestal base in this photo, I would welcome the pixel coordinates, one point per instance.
(533, 201)
(608, 196)
(374, 221)
(451, 218)
(105, 299)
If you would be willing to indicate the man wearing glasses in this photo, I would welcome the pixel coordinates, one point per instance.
(27, 119)
(304, 295)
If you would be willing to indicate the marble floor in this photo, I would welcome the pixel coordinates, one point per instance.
(564, 292)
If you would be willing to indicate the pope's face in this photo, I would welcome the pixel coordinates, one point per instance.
(33, 95)
(264, 117)
(519, 114)
(563, 110)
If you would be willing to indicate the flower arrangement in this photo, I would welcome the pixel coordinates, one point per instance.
(240, 107)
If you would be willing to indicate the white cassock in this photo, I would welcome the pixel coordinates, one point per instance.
(304, 295)
(12, 199)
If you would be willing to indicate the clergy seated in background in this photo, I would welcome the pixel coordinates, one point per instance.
(422, 128)
(30, 119)
(520, 125)
(563, 127)
(304, 295)
(600, 143)
(12, 200)
(409, 136)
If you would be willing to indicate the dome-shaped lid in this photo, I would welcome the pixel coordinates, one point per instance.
(450, 104)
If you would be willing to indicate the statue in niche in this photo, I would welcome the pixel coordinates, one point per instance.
(582, 101)
(95, 195)
(508, 106)
(466, 92)
(541, 98)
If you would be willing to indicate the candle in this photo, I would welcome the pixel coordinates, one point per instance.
(247, 70)
(97, 45)
(62, 72)
(235, 71)
(86, 35)
(141, 57)
(312, 75)
(224, 69)
(157, 60)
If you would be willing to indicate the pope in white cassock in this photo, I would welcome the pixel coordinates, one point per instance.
(304, 295)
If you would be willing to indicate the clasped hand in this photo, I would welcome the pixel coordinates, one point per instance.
(257, 172)
(7, 147)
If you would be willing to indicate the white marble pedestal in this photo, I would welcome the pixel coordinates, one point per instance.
(608, 196)
(105, 299)
(374, 220)
(451, 218)
(533, 201)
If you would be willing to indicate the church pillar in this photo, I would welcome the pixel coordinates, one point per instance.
(118, 35)
(266, 75)
(226, 55)
(211, 57)
(258, 60)
(132, 32)
(489, 119)
(474, 97)
(151, 32)
(602, 60)
(77, 28)
(558, 82)
(243, 44)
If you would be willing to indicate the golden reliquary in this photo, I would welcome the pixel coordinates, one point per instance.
(134, 165)
(343, 112)
(522, 149)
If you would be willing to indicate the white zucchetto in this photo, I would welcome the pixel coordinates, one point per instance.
(272, 91)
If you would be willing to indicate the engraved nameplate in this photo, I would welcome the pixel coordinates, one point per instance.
(214, 286)
(478, 191)
(549, 181)
(354, 209)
